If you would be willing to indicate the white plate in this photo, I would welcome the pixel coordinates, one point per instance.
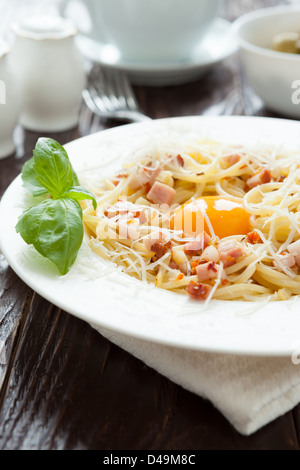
(217, 46)
(105, 297)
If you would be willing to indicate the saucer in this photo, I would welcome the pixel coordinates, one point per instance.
(219, 44)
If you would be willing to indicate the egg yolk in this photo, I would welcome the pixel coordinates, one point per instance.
(225, 216)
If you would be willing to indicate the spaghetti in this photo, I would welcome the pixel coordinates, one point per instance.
(209, 220)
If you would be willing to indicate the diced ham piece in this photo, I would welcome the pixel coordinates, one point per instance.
(230, 251)
(185, 268)
(210, 254)
(198, 291)
(262, 177)
(294, 249)
(143, 177)
(207, 271)
(196, 247)
(232, 159)
(289, 260)
(141, 216)
(286, 259)
(160, 193)
(173, 265)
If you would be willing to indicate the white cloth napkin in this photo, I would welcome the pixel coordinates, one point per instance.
(250, 392)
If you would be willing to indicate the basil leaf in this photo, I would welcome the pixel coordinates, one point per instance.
(79, 193)
(53, 167)
(54, 227)
(29, 179)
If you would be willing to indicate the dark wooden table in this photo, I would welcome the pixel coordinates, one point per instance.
(62, 385)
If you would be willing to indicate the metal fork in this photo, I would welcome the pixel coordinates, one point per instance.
(109, 94)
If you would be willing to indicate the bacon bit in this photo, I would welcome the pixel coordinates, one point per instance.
(117, 181)
(212, 267)
(281, 179)
(169, 245)
(180, 277)
(253, 238)
(198, 291)
(225, 282)
(160, 249)
(266, 177)
(180, 160)
(194, 265)
(260, 177)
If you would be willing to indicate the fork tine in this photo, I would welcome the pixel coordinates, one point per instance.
(112, 88)
(116, 88)
(128, 93)
(89, 101)
(109, 94)
(86, 119)
(101, 92)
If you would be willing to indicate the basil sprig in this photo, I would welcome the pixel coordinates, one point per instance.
(54, 226)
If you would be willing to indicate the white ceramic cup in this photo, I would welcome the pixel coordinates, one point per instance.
(144, 30)
(274, 76)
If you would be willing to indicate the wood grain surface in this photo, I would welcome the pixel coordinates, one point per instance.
(62, 385)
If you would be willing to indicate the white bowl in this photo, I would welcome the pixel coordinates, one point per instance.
(274, 76)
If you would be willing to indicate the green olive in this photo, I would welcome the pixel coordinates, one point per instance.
(287, 42)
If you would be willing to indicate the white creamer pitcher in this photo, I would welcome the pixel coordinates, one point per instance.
(50, 70)
(9, 103)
